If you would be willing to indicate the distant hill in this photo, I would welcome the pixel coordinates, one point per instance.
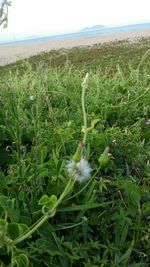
(93, 28)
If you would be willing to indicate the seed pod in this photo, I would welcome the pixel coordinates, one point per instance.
(104, 158)
(78, 154)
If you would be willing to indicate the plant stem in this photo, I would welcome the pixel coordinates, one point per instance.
(68, 187)
(28, 234)
(84, 86)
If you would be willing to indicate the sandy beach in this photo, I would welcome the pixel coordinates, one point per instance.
(12, 53)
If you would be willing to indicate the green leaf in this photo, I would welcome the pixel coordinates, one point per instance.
(43, 154)
(48, 202)
(42, 174)
(2, 222)
(6, 203)
(133, 196)
(44, 200)
(21, 196)
(46, 229)
(94, 122)
(85, 206)
(14, 215)
(23, 228)
(21, 260)
(13, 230)
(125, 257)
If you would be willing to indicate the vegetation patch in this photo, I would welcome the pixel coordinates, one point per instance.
(75, 158)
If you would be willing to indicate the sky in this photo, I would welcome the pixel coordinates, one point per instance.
(61, 16)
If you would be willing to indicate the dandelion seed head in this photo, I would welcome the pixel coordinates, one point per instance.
(81, 171)
(147, 122)
(31, 97)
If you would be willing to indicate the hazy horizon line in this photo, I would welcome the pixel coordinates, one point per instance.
(43, 33)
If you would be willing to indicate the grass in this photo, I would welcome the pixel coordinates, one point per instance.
(105, 221)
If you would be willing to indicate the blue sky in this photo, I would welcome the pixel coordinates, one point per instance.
(59, 16)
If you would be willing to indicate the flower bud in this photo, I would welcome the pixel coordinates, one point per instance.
(104, 157)
(78, 154)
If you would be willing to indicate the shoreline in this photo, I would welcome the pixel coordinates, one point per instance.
(13, 53)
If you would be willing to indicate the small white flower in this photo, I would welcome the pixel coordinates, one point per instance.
(31, 97)
(81, 171)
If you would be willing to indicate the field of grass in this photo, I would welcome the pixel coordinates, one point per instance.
(52, 113)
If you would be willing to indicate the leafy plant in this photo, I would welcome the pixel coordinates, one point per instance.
(46, 219)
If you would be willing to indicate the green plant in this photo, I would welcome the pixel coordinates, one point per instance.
(105, 221)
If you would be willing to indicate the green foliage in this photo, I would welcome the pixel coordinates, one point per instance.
(48, 202)
(106, 221)
(133, 197)
(21, 260)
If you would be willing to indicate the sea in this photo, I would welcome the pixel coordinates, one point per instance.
(93, 31)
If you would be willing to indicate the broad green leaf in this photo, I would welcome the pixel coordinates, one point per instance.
(44, 200)
(48, 202)
(13, 230)
(21, 260)
(7, 203)
(21, 196)
(14, 215)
